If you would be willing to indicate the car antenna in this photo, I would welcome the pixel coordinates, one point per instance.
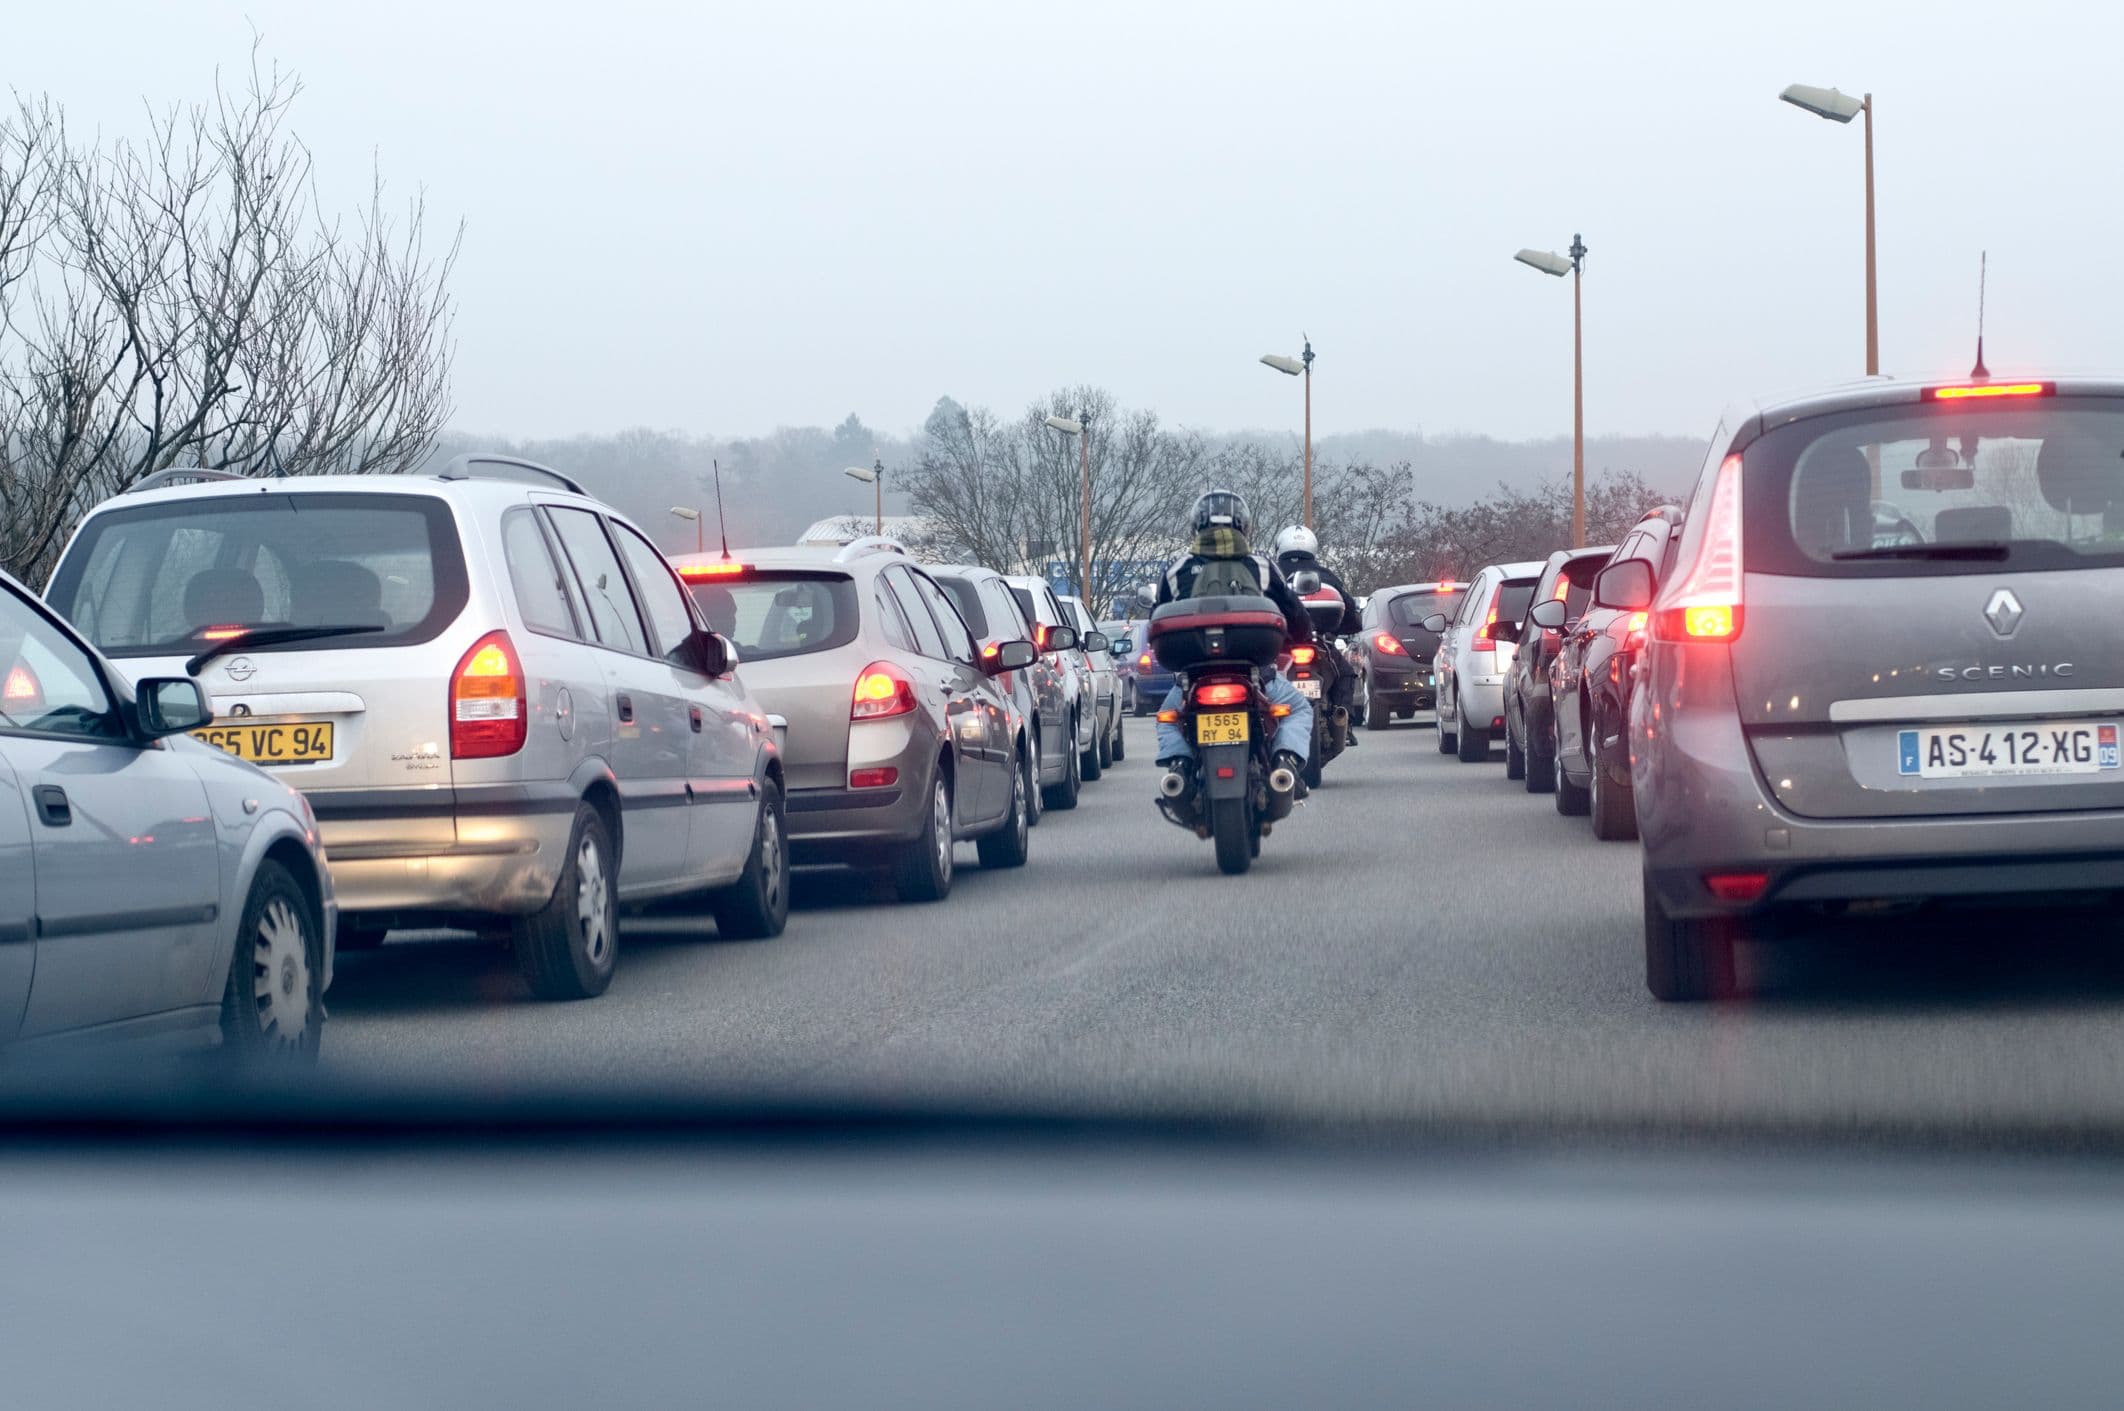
(722, 526)
(1983, 257)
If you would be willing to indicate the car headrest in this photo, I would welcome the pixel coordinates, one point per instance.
(223, 596)
(336, 592)
(1974, 524)
(1832, 501)
(2079, 474)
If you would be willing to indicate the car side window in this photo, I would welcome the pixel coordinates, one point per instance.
(597, 572)
(891, 621)
(50, 686)
(541, 592)
(928, 641)
(958, 637)
(1004, 619)
(663, 600)
(1478, 589)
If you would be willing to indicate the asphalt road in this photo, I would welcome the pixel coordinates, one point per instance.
(1421, 941)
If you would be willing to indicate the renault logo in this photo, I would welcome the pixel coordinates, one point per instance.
(2003, 612)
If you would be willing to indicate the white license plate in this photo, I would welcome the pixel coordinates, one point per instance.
(1308, 688)
(2007, 751)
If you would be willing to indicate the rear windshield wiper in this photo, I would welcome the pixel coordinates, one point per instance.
(268, 637)
(1990, 552)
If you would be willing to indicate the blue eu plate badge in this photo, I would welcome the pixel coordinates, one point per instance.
(1907, 752)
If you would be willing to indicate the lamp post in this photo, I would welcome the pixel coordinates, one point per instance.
(875, 475)
(1842, 108)
(1549, 262)
(1076, 426)
(689, 512)
(1301, 366)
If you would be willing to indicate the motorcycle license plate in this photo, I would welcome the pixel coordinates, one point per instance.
(1308, 688)
(1226, 727)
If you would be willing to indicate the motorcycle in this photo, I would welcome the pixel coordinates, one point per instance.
(1221, 651)
(1315, 669)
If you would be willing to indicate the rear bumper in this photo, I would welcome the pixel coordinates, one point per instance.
(837, 825)
(1478, 700)
(483, 850)
(1399, 684)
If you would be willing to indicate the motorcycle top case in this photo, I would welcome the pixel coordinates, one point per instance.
(1196, 631)
(1325, 609)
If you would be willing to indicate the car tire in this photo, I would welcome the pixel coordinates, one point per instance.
(1120, 740)
(1470, 744)
(921, 871)
(1688, 960)
(1571, 799)
(1011, 844)
(1062, 796)
(272, 1004)
(1448, 742)
(1036, 802)
(1515, 755)
(1541, 769)
(1106, 742)
(1088, 760)
(569, 948)
(1376, 716)
(756, 906)
(1612, 807)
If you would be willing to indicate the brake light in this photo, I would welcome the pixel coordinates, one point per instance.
(1484, 642)
(221, 634)
(1989, 389)
(1563, 589)
(1445, 585)
(1741, 887)
(1389, 644)
(1303, 656)
(1705, 606)
(23, 688)
(881, 692)
(702, 572)
(487, 714)
(1144, 660)
(1223, 693)
(1040, 635)
(883, 778)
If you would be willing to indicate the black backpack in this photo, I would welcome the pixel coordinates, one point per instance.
(1226, 578)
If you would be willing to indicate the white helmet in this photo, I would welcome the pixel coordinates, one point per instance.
(1297, 539)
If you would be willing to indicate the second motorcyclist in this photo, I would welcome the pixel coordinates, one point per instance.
(1298, 551)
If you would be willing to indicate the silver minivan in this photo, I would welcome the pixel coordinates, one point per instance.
(490, 686)
(1885, 672)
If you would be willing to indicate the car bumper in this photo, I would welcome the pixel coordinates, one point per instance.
(1401, 688)
(489, 849)
(832, 825)
(1479, 701)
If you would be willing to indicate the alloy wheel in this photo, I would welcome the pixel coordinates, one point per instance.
(592, 901)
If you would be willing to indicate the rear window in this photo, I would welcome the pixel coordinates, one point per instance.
(768, 614)
(2023, 484)
(1406, 613)
(1513, 598)
(966, 597)
(154, 580)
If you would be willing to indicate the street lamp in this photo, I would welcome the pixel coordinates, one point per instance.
(1842, 108)
(1549, 262)
(875, 476)
(1074, 426)
(1301, 366)
(689, 512)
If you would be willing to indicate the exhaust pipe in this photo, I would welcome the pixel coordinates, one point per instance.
(1282, 781)
(1173, 785)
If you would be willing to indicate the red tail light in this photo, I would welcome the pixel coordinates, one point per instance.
(881, 692)
(1040, 635)
(487, 713)
(1389, 645)
(883, 778)
(1144, 661)
(23, 690)
(1740, 887)
(1705, 606)
(1484, 642)
(1223, 693)
(1303, 656)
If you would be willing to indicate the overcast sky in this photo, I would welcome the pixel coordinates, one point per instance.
(726, 217)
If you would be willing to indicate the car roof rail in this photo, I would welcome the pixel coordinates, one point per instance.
(867, 545)
(484, 465)
(183, 475)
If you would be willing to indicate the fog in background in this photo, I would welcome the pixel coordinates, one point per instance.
(722, 219)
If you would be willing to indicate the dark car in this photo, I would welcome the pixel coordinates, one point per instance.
(1529, 737)
(1395, 650)
(1590, 682)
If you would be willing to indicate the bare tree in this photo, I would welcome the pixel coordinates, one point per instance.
(182, 300)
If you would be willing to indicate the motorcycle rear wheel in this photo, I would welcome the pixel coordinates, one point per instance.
(1232, 825)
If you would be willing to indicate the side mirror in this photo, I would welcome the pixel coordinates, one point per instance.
(1625, 585)
(1123, 647)
(1549, 613)
(1096, 641)
(1061, 639)
(708, 653)
(1436, 622)
(170, 705)
(1009, 656)
(1305, 581)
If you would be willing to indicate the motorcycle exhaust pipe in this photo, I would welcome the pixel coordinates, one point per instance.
(1173, 785)
(1282, 781)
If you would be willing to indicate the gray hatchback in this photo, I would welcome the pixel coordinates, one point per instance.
(1848, 712)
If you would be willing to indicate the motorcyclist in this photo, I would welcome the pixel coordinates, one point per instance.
(1220, 551)
(1298, 551)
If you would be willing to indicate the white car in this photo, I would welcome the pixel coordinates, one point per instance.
(1470, 664)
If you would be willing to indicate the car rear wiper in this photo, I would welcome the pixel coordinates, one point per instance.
(1988, 552)
(268, 637)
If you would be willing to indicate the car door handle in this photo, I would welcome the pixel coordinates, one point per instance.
(625, 703)
(693, 718)
(52, 808)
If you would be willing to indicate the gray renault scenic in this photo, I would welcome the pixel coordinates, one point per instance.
(1885, 673)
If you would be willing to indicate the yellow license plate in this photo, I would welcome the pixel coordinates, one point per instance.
(1222, 728)
(288, 742)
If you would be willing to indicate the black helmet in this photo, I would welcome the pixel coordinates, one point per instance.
(1222, 509)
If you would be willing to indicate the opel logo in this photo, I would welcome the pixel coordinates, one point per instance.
(243, 669)
(2003, 612)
